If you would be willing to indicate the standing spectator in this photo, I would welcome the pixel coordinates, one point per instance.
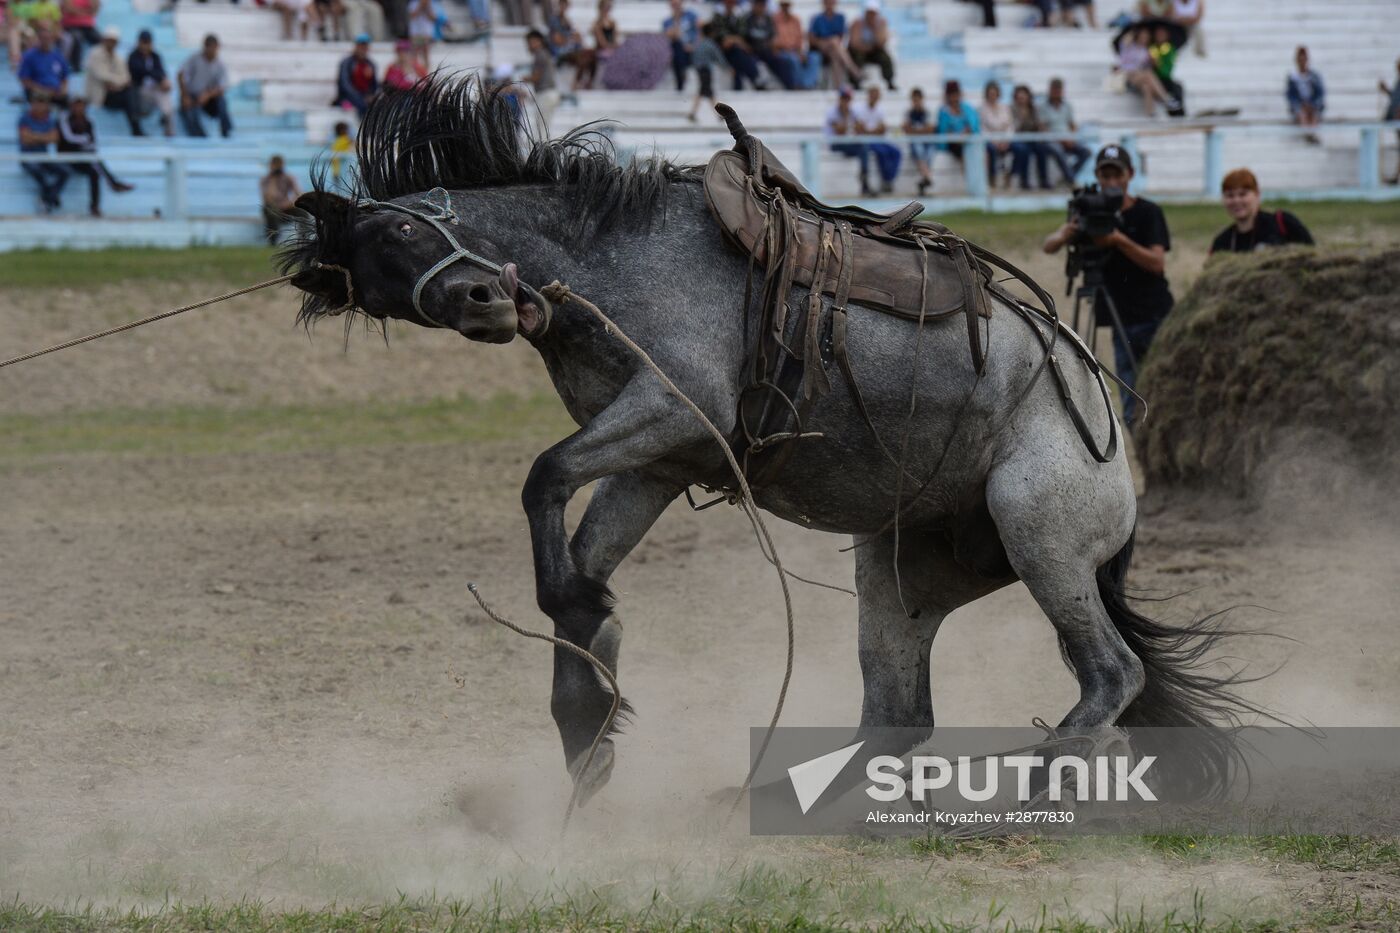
(955, 117)
(995, 117)
(406, 71)
(44, 70)
(1251, 229)
(1392, 110)
(606, 39)
(279, 195)
(1188, 13)
(1026, 119)
(37, 130)
(827, 35)
(150, 86)
(1135, 67)
(77, 134)
(870, 37)
(1135, 272)
(726, 30)
(357, 82)
(1307, 97)
(543, 78)
(79, 23)
(918, 122)
(759, 32)
(108, 80)
(841, 121)
(1057, 115)
(707, 58)
(790, 45)
(870, 121)
(203, 83)
(683, 29)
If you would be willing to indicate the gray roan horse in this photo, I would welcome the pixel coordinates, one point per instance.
(1015, 496)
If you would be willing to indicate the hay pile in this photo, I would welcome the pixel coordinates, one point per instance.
(1279, 348)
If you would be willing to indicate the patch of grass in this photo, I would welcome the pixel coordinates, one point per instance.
(82, 269)
(1335, 853)
(209, 430)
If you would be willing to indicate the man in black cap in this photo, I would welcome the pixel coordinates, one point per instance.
(1134, 273)
(149, 82)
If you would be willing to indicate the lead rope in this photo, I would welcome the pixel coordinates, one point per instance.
(149, 320)
(559, 293)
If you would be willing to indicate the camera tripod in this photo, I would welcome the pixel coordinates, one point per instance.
(1091, 287)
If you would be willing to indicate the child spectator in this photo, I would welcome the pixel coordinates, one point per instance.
(869, 42)
(1252, 229)
(918, 122)
(1135, 67)
(827, 34)
(108, 80)
(1057, 115)
(996, 118)
(682, 28)
(790, 44)
(1163, 63)
(150, 84)
(44, 70)
(356, 83)
(1307, 97)
(203, 82)
(955, 117)
(37, 130)
(707, 58)
(279, 195)
(77, 134)
(341, 146)
(79, 22)
(406, 71)
(726, 29)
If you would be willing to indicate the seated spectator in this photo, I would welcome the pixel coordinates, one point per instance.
(26, 16)
(1307, 98)
(682, 28)
(1188, 14)
(955, 117)
(301, 13)
(1252, 229)
(1057, 116)
(150, 84)
(995, 117)
(279, 196)
(37, 130)
(407, 70)
(870, 121)
(918, 122)
(563, 39)
(869, 43)
(1163, 63)
(44, 70)
(606, 39)
(1067, 8)
(759, 31)
(332, 11)
(79, 23)
(203, 83)
(790, 45)
(1135, 68)
(108, 80)
(365, 16)
(341, 146)
(543, 78)
(841, 121)
(1392, 110)
(77, 134)
(726, 29)
(827, 35)
(1026, 119)
(357, 82)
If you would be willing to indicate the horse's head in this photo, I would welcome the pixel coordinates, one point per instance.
(413, 259)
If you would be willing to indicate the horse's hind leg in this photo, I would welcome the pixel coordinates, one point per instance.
(1059, 520)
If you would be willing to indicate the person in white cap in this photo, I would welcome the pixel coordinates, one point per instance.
(870, 37)
(109, 80)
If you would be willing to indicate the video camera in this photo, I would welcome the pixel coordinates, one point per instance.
(1094, 213)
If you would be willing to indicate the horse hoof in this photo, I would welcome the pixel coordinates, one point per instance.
(588, 783)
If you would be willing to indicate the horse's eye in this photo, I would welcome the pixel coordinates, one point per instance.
(406, 229)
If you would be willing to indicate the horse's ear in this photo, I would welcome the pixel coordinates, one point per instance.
(330, 285)
(322, 204)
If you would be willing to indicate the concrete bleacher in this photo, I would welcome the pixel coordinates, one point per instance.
(281, 102)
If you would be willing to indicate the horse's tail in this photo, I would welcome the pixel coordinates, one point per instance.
(1198, 755)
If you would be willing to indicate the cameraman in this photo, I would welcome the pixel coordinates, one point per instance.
(1134, 270)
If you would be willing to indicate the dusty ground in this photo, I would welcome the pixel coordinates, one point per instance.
(242, 664)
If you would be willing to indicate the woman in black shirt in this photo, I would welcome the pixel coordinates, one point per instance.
(1253, 228)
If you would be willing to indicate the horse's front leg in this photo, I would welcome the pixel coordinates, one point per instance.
(641, 427)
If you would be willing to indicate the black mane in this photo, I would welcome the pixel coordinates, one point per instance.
(455, 132)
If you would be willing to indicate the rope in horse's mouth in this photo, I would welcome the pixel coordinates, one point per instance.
(148, 320)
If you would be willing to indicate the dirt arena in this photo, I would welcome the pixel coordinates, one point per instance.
(240, 662)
